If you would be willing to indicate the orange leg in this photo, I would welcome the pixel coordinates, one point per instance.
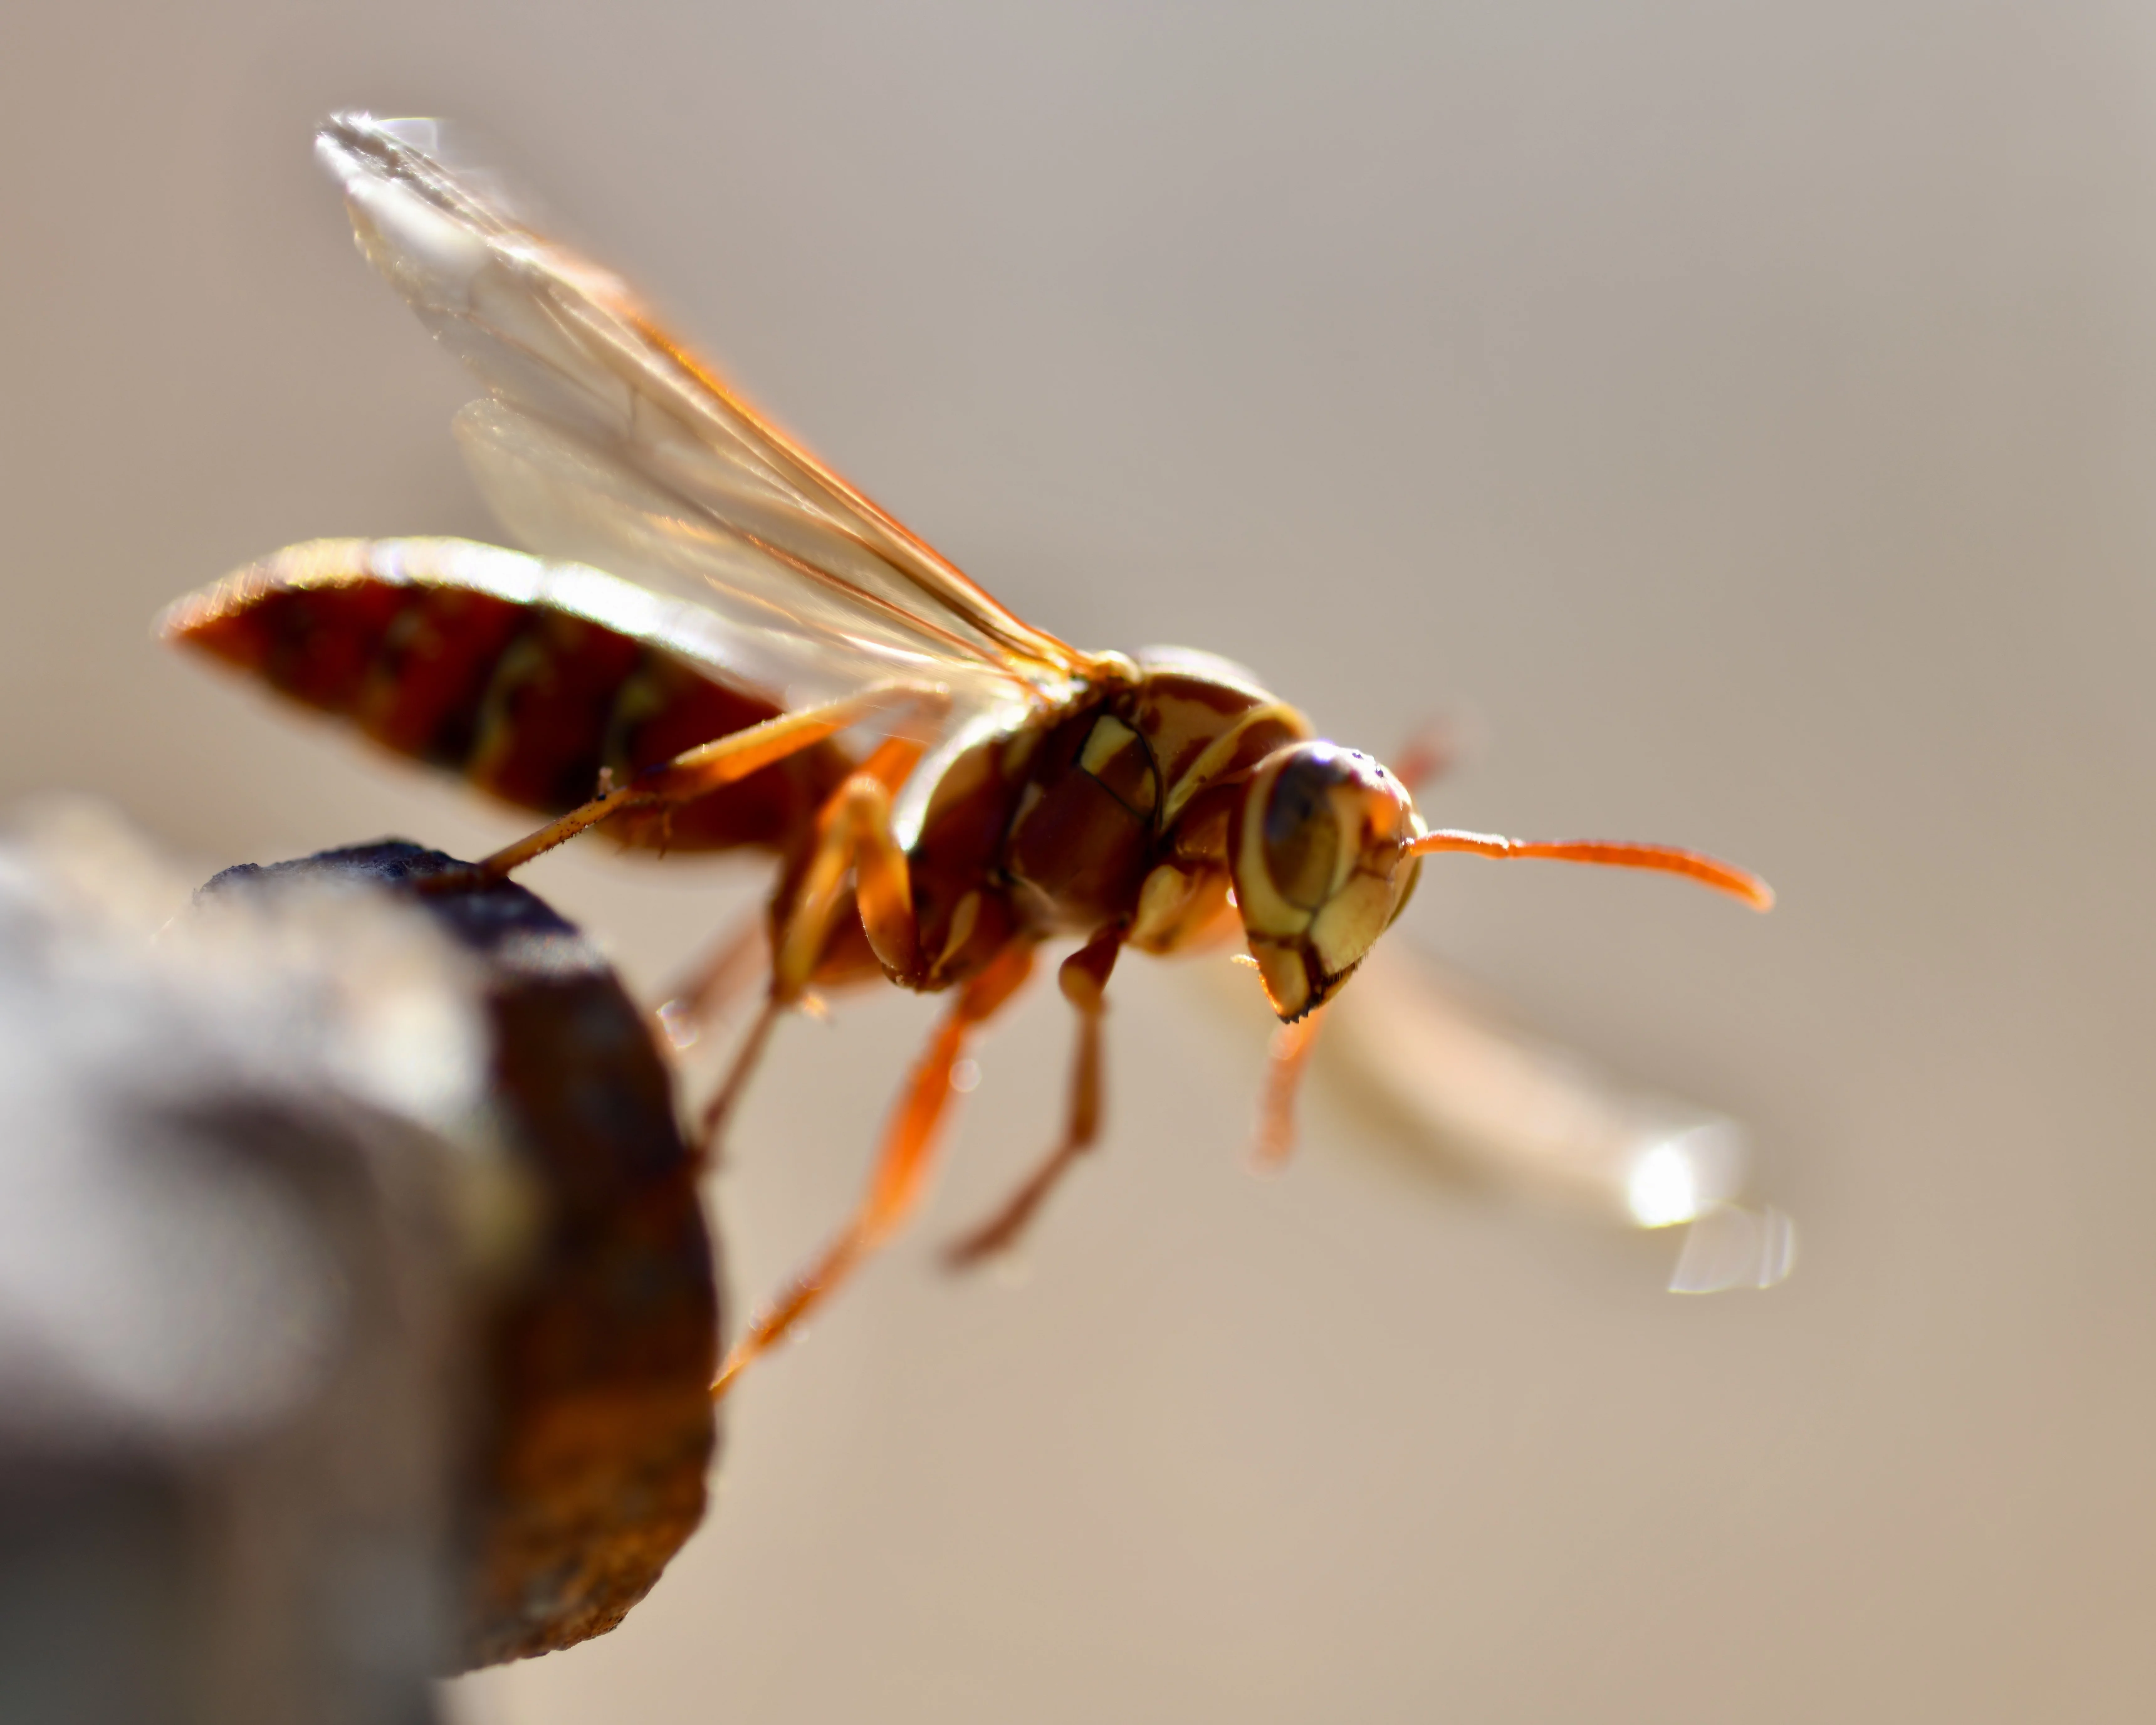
(1291, 1058)
(902, 1163)
(854, 839)
(1084, 979)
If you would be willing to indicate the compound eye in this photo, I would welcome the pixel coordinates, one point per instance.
(1301, 831)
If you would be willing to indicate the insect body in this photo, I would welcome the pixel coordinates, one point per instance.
(947, 788)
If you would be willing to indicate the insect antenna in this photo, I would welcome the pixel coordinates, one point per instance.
(1662, 859)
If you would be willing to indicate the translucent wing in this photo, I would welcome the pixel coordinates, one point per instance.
(603, 441)
(1470, 1091)
(785, 625)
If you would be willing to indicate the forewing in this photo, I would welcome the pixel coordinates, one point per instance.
(669, 475)
(795, 632)
(1467, 1089)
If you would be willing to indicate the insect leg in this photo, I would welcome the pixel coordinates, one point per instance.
(1084, 979)
(902, 1165)
(854, 838)
(1291, 1058)
(853, 835)
(721, 762)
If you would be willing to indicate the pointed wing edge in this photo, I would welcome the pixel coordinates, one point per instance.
(362, 151)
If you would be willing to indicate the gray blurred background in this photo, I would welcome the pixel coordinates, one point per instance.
(1747, 414)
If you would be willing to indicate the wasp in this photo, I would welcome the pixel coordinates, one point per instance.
(721, 645)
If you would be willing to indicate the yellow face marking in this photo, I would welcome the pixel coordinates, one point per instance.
(1286, 977)
(1351, 921)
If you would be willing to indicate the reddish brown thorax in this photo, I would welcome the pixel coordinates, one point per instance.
(1109, 814)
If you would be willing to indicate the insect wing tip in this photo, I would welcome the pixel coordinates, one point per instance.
(343, 145)
(1730, 1246)
(355, 143)
(408, 218)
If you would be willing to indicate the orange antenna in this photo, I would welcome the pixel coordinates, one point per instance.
(1663, 859)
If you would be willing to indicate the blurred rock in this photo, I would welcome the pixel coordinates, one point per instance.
(596, 1425)
(356, 1312)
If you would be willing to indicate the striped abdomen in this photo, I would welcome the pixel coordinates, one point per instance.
(527, 679)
